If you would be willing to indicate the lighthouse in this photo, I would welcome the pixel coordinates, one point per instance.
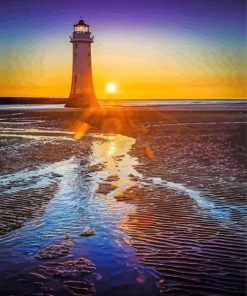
(82, 90)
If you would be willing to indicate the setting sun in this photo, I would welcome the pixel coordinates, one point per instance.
(111, 87)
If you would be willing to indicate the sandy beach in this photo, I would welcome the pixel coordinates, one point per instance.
(164, 189)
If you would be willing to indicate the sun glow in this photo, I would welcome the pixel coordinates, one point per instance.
(111, 88)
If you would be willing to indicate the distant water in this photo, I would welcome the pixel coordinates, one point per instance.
(130, 102)
(152, 102)
(31, 106)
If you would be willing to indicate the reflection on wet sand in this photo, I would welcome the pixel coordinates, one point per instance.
(21, 122)
(76, 204)
(34, 130)
(189, 219)
(113, 153)
(168, 220)
(33, 133)
(36, 137)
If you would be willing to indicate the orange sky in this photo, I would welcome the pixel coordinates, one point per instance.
(157, 66)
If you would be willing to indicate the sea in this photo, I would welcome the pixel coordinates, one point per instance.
(235, 103)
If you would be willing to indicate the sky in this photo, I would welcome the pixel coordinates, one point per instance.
(150, 49)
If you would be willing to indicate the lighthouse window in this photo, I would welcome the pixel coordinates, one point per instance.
(75, 45)
(81, 29)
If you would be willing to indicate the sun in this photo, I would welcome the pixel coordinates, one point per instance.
(111, 88)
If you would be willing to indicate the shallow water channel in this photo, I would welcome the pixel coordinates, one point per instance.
(75, 205)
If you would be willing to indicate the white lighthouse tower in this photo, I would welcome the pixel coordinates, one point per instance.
(82, 90)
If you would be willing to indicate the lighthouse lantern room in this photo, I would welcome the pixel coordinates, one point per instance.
(81, 27)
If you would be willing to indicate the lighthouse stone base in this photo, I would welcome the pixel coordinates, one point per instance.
(82, 101)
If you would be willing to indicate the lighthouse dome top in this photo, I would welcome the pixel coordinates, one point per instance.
(81, 23)
(81, 27)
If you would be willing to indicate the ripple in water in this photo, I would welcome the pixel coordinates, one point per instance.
(73, 206)
(186, 243)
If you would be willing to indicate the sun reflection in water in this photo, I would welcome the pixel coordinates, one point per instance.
(113, 152)
(111, 137)
(112, 149)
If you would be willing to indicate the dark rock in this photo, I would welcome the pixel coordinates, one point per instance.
(55, 250)
(56, 175)
(88, 231)
(72, 268)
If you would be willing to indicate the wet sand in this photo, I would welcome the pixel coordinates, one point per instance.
(166, 198)
(190, 223)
